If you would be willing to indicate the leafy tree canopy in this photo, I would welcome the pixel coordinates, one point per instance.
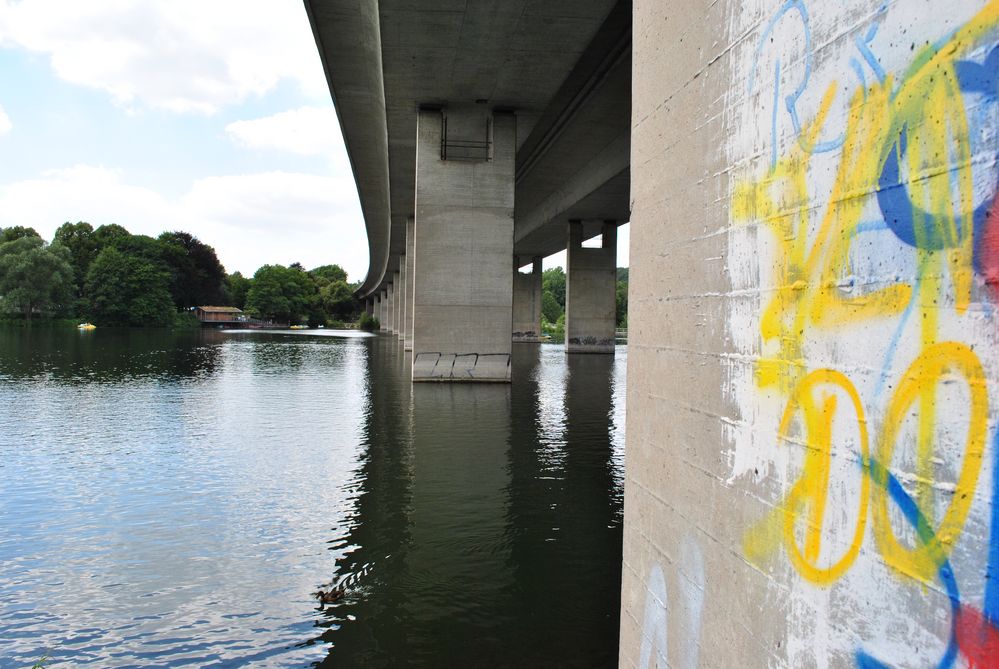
(16, 232)
(326, 274)
(79, 238)
(550, 308)
(198, 276)
(236, 287)
(126, 289)
(34, 276)
(107, 234)
(553, 281)
(282, 294)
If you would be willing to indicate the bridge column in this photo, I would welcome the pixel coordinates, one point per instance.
(464, 241)
(397, 298)
(410, 283)
(369, 306)
(383, 317)
(401, 299)
(590, 292)
(390, 308)
(527, 302)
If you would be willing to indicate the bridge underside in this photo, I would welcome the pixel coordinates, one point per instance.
(476, 131)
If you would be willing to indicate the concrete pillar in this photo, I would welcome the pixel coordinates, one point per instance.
(464, 241)
(397, 297)
(390, 309)
(369, 306)
(527, 302)
(403, 260)
(383, 318)
(590, 287)
(410, 283)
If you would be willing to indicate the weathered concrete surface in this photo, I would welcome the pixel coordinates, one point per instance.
(590, 291)
(464, 242)
(402, 299)
(410, 281)
(812, 366)
(390, 308)
(527, 292)
(397, 295)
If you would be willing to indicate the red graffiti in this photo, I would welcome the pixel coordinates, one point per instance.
(978, 639)
(988, 250)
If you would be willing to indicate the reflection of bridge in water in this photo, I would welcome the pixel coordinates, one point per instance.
(487, 526)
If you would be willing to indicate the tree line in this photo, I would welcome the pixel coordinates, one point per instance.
(112, 277)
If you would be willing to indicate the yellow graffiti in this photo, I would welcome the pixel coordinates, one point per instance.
(934, 365)
(814, 288)
(811, 488)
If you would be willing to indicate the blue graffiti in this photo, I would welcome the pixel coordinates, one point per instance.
(991, 606)
(924, 531)
(901, 216)
(793, 98)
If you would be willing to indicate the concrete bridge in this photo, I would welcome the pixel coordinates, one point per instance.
(813, 369)
(483, 136)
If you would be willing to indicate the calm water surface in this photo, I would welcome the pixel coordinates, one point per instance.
(172, 499)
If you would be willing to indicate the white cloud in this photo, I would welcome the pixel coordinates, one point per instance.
(307, 131)
(251, 220)
(5, 124)
(181, 55)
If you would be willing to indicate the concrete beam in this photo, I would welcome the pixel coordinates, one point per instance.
(464, 241)
(527, 293)
(590, 292)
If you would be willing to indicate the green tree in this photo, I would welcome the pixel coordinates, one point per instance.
(622, 304)
(127, 289)
(327, 274)
(282, 294)
(34, 276)
(198, 276)
(236, 287)
(337, 299)
(16, 232)
(106, 234)
(82, 244)
(550, 307)
(553, 281)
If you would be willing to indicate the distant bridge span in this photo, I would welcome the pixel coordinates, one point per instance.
(477, 131)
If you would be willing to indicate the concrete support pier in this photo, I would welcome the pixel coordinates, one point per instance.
(591, 282)
(401, 326)
(410, 283)
(397, 294)
(463, 295)
(390, 308)
(527, 294)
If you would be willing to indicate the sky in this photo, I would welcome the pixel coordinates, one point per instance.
(208, 116)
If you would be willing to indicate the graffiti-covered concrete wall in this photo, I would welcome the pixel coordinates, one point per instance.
(813, 428)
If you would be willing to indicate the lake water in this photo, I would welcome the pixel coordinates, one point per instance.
(173, 499)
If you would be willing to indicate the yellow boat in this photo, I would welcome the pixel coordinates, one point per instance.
(86, 326)
(299, 327)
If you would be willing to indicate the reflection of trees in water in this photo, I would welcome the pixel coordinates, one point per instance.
(108, 355)
(477, 550)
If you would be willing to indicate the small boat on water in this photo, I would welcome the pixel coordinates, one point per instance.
(299, 327)
(86, 326)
